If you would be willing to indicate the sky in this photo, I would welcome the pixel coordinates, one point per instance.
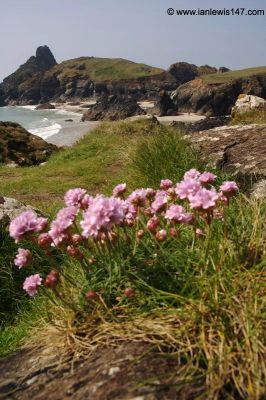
(138, 30)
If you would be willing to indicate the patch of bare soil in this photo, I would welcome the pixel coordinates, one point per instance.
(131, 371)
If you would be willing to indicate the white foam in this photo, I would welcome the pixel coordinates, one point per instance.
(28, 107)
(47, 131)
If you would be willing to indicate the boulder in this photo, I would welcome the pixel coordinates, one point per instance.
(11, 208)
(201, 97)
(247, 103)
(202, 125)
(113, 108)
(18, 146)
(45, 106)
(239, 150)
(165, 105)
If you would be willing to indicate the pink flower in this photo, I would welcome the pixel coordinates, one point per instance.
(103, 213)
(23, 258)
(138, 197)
(150, 193)
(64, 220)
(229, 188)
(207, 177)
(186, 188)
(176, 213)
(73, 197)
(86, 201)
(166, 184)
(191, 174)
(160, 201)
(31, 284)
(119, 189)
(204, 199)
(26, 223)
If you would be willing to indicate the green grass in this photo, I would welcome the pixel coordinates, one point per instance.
(228, 76)
(256, 116)
(100, 69)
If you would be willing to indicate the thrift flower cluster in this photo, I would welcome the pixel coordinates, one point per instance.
(88, 222)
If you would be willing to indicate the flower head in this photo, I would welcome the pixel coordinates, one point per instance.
(229, 188)
(207, 177)
(176, 213)
(119, 189)
(23, 258)
(73, 197)
(103, 213)
(26, 223)
(187, 187)
(166, 184)
(160, 201)
(64, 220)
(31, 284)
(204, 199)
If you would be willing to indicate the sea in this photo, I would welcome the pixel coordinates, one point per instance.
(43, 123)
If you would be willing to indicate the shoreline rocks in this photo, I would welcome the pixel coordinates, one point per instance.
(113, 108)
(19, 147)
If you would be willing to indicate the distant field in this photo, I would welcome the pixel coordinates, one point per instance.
(227, 76)
(100, 69)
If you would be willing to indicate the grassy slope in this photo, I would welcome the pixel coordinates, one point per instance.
(205, 300)
(228, 76)
(100, 69)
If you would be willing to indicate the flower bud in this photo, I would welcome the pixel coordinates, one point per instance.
(44, 240)
(77, 239)
(152, 224)
(129, 292)
(173, 232)
(161, 235)
(74, 252)
(51, 279)
(140, 233)
(91, 295)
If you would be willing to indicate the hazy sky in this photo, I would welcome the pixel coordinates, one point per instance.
(139, 30)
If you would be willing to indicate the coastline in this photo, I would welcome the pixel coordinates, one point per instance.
(69, 135)
(70, 129)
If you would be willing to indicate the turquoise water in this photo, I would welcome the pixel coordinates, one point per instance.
(43, 123)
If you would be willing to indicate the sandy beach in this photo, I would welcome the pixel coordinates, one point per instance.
(70, 134)
(67, 136)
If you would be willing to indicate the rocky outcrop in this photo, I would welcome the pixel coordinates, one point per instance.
(45, 106)
(35, 66)
(164, 106)
(216, 99)
(41, 80)
(113, 108)
(19, 147)
(238, 150)
(202, 125)
(247, 103)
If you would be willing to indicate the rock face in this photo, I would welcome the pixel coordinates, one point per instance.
(247, 103)
(41, 80)
(165, 105)
(239, 150)
(11, 208)
(113, 108)
(11, 87)
(19, 147)
(216, 99)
